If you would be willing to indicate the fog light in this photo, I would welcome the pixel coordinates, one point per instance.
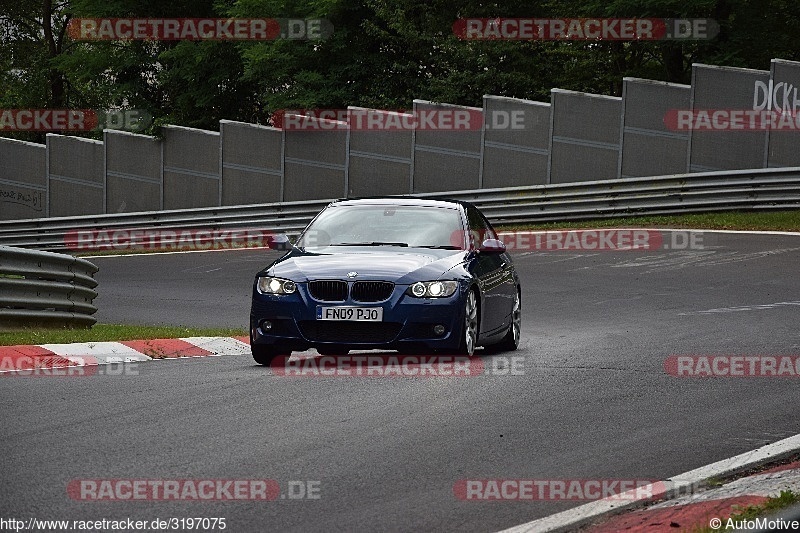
(438, 329)
(266, 325)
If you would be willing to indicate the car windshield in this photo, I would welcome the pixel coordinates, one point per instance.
(385, 225)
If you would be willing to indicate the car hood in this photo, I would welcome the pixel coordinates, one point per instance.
(399, 266)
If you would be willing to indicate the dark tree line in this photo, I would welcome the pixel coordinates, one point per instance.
(382, 53)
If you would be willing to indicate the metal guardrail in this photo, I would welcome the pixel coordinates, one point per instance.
(45, 288)
(759, 189)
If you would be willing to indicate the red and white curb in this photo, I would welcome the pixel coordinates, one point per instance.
(695, 511)
(767, 484)
(683, 484)
(50, 356)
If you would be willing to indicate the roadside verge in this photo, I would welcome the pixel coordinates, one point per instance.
(681, 485)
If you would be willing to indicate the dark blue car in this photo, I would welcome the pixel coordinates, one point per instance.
(406, 274)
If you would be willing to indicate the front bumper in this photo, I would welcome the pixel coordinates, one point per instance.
(408, 322)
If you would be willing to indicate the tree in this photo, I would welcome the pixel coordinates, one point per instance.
(382, 54)
(33, 37)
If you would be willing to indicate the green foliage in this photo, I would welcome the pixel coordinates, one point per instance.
(109, 332)
(382, 54)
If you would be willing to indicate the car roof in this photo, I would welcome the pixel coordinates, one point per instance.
(403, 200)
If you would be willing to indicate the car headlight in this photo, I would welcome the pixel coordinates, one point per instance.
(433, 289)
(267, 285)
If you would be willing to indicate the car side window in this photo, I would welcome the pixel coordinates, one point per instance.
(490, 233)
(479, 227)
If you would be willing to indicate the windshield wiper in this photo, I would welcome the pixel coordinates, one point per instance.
(373, 243)
(440, 247)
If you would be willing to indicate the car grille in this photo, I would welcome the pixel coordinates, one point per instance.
(349, 332)
(361, 291)
(371, 291)
(328, 291)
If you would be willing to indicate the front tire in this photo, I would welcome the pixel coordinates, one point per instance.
(333, 350)
(511, 341)
(264, 355)
(469, 333)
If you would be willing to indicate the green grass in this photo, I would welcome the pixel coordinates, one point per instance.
(787, 498)
(732, 220)
(110, 332)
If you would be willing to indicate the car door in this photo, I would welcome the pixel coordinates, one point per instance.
(507, 288)
(490, 271)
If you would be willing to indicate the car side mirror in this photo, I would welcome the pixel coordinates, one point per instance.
(279, 242)
(493, 246)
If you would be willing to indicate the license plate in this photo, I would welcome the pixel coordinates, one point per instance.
(356, 314)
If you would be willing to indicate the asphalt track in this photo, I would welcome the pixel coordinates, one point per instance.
(594, 402)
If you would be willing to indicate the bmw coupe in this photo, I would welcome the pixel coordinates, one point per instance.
(406, 274)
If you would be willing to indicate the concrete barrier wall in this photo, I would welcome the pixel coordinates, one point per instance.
(191, 168)
(75, 176)
(649, 147)
(315, 160)
(783, 147)
(585, 137)
(725, 88)
(446, 159)
(508, 142)
(23, 180)
(134, 180)
(380, 152)
(516, 142)
(252, 163)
